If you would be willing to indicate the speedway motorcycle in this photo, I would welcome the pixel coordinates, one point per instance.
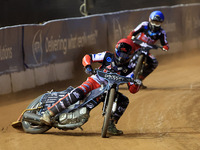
(77, 114)
(141, 55)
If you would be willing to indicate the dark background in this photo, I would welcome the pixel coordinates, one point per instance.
(14, 12)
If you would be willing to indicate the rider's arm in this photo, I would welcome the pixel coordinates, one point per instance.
(90, 58)
(163, 41)
(87, 60)
(140, 28)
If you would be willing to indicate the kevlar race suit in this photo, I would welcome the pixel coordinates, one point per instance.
(106, 59)
(143, 33)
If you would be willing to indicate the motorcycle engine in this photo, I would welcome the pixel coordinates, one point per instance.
(77, 116)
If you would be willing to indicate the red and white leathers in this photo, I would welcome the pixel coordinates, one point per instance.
(143, 32)
(107, 61)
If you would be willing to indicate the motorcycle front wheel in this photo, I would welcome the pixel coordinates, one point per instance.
(30, 127)
(138, 67)
(108, 113)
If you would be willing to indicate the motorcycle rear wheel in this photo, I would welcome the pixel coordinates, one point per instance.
(108, 113)
(30, 127)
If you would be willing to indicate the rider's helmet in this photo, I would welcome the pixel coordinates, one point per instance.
(124, 50)
(156, 18)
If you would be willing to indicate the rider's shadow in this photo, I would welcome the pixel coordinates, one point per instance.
(145, 135)
(125, 135)
(74, 133)
(149, 135)
(165, 88)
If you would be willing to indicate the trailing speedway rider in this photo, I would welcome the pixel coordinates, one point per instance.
(120, 63)
(149, 32)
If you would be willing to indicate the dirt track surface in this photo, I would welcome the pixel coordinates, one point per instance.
(166, 116)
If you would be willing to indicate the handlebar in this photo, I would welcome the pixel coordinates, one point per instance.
(146, 45)
(113, 76)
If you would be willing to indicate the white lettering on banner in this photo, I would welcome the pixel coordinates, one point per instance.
(53, 45)
(5, 52)
(92, 38)
(72, 42)
(81, 41)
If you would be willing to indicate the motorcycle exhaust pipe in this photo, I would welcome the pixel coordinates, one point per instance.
(32, 118)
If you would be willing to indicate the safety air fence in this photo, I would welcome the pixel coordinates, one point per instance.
(35, 54)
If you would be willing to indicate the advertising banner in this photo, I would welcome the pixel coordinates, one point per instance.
(119, 25)
(11, 56)
(122, 23)
(190, 22)
(64, 40)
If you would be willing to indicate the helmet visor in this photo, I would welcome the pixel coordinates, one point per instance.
(122, 54)
(122, 57)
(155, 23)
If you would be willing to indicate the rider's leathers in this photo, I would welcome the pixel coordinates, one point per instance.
(106, 59)
(143, 32)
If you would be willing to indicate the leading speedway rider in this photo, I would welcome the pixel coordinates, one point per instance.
(149, 32)
(120, 63)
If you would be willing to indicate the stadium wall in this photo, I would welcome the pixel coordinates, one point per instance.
(35, 54)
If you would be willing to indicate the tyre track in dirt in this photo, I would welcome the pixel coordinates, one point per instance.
(166, 116)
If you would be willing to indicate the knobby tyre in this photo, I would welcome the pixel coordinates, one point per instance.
(138, 67)
(108, 113)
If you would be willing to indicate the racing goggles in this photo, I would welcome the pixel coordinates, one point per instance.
(121, 54)
(155, 23)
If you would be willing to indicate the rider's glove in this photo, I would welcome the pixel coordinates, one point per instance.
(165, 48)
(89, 70)
(137, 82)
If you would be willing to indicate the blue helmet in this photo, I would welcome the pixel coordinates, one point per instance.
(155, 19)
(157, 16)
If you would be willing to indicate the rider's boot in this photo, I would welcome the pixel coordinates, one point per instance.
(112, 129)
(61, 105)
(46, 117)
(142, 86)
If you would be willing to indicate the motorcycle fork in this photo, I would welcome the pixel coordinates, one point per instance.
(115, 104)
(143, 65)
(105, 103)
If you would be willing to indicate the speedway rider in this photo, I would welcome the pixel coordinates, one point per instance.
(149, 32)
(120, 63)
